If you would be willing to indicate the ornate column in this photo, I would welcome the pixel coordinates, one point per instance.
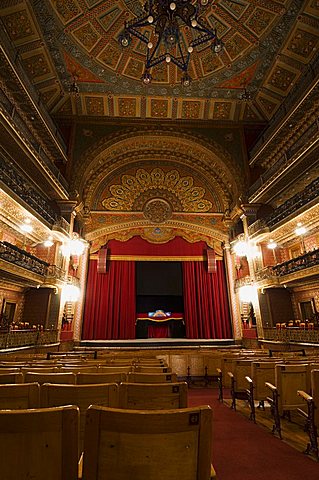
(79, 309)
(233, 300)
(248, 217)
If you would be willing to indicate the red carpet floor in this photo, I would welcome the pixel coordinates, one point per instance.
(243, 450)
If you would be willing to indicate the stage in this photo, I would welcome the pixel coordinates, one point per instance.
(158, 343)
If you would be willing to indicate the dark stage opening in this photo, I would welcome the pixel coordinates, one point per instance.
(159, 286)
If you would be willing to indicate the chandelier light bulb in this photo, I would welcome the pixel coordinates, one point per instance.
(171, 21)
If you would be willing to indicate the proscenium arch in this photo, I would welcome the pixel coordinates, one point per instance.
(205, 158)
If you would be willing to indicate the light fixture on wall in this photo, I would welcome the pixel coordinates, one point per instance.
(272, 245)
(74, 246)
(246, 248)
(171, 30)
(301, 230)
(248, 293)
(26, 227)
(70, 293)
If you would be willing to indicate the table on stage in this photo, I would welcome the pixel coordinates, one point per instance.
(171, 326)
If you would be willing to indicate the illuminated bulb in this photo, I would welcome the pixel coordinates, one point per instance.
(194, 23)
(168, 58)
(172, 6)
(48, 243)
(272, 244)
(149, 45)
(300, 230)
(190, 49)
(26, 227)
(150, 19)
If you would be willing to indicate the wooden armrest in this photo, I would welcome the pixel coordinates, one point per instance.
(80, 467)
(212, 473)
(304, 395)
(271, 386)
(230, 374)
(249, 380)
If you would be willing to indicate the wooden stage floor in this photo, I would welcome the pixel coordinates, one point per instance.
(153, 343)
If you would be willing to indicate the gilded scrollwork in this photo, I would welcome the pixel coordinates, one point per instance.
(129, 193)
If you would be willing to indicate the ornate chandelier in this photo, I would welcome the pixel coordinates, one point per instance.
(167, 43)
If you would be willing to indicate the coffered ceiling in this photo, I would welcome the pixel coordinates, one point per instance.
(268, 47)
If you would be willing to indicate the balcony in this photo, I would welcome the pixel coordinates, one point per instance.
(12, 254)
(309, 260)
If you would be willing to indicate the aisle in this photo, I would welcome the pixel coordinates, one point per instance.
(243, 450)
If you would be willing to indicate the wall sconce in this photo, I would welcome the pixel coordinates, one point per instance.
(272, 245)
(74, 247)
(48, 243)
(247, 293)
(300, 230)
(244, 248)
(70, 293)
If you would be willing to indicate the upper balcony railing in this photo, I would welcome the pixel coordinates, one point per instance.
(310, 74)
(30, 140)
(309, 136)
(308, 260)
(17, 256)
(13, 55)
(13, 179)
(303, 199)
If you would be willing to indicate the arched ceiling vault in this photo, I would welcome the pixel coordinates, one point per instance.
(157, 184)
(204, 160)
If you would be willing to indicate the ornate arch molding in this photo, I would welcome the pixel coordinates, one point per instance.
(145, 146)
(157, 234)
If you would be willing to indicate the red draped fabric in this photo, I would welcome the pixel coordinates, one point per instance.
(206, 310)
(110, 305)
(137, 246)
(158, 331)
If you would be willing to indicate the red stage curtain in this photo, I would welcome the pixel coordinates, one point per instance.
(206, 308)
(110, 306)
(137, 246)
(158, 331)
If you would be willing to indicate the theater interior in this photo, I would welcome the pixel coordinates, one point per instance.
(159, 190)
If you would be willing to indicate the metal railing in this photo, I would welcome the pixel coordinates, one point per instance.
(17, 256)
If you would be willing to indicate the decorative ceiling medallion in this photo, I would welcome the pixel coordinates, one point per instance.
(125, 196)
(157, 210)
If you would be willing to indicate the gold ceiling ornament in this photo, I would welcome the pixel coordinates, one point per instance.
(125, 196)
(157, 210)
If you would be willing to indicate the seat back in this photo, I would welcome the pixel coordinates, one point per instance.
(138, 377)
(262, 372)
(39, 444)
(115, 369)
(20, 396)
(11, 378)
(289, 379)
(53, 395)
(79, 368)
(151, 396)
(86, 378)
(157, 445)
(315, 394)
(57, 377)
(154, 369)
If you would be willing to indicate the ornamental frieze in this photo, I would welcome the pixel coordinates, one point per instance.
(127, 196)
